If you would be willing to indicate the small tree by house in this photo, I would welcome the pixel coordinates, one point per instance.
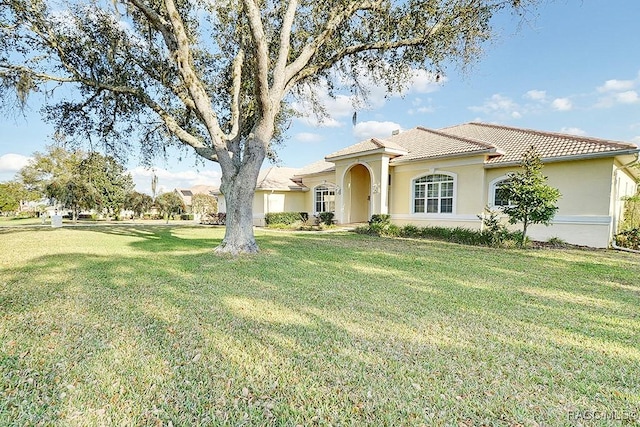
(531, 200)
(170, 204)
(204, 204)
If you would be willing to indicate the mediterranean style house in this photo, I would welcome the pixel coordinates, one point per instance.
(446, 177)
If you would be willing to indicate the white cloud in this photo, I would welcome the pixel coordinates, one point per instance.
(573, 131)
(536, 95)
(562, 104)
(425, 82)
(636, 140)
(616, 85)
(307, 137)
(419, 108)
(11, 162)
(168, 180)
(498, 105)
(342, 106)
(628, 97)
(374, 129)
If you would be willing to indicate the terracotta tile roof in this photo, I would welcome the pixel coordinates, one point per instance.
(423, 143)
(320, 166)
(502, 144)
(367, 145)
(513, 142)
(204, 189)
(277, 178)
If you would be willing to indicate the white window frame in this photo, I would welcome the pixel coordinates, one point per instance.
(412, 208)
(493, 186)
(328, 188)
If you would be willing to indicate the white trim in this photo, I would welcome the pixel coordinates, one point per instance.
(562, 219)
(435, 217)
(491, 202)
(328, 186)
(428, 172)
(582, 219)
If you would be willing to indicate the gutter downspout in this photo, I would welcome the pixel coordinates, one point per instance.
(620, 248)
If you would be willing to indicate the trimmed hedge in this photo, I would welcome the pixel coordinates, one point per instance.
(460, 235)
(285, 218)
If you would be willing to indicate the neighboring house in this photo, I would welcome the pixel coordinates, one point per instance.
(446, 177)
(187, 194)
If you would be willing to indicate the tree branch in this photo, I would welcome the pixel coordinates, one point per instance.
(262, 53)
(194, 86)
(235, 101)
(285, 46)
(337, 17)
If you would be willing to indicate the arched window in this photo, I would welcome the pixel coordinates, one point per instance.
(497, 195)
(324, 199)
(433, 194)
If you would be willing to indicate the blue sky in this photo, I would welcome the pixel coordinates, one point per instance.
(572, 66)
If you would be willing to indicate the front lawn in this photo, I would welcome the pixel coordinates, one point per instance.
(143, 325)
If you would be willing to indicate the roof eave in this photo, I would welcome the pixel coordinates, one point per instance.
(382, 150)
(444, 156)
(570, 158)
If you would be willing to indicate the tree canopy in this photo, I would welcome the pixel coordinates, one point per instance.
(217, 76)
(78, 180)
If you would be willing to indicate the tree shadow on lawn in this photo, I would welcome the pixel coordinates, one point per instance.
(302, 333)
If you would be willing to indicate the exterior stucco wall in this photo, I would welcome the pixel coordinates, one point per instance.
(586, 211)
(469, 194)
(267, 201)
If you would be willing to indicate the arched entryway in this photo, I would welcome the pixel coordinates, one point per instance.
(358, 197)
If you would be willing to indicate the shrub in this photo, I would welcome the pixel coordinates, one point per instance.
(629, 239)
(380, 219)
(286, 218)
(455, 235)
(326, 217)
(186, 217)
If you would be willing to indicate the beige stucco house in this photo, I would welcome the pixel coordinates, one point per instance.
(446, 177)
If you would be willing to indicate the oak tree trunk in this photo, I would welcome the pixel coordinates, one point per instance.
(238, 187)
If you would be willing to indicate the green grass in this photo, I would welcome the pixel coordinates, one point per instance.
(128, 325)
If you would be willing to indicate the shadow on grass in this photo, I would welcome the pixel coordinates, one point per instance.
(324, 329)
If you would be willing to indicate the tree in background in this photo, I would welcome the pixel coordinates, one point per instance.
(139, 203)
(531, 200)
(218, 77)
(77, 180)
(204, 204)
(48, 173)
(170, 204)
(12, 194)
(108, 180)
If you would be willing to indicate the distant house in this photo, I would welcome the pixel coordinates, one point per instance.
(446, 177)
(187, 194)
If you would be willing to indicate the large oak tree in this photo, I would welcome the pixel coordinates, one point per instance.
(216, 76)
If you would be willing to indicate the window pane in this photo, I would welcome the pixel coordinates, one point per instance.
(419, 191)
(432, 205)
(432, 190)
(446, 189)
(418, 206)
(446, 205)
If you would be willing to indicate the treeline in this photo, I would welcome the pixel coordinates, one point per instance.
(74, 181)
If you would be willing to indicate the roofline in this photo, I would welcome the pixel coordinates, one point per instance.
(382, 150)
(588, 156)
(282, 189)
(446, 156)
(622, 144)
(331, 169)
